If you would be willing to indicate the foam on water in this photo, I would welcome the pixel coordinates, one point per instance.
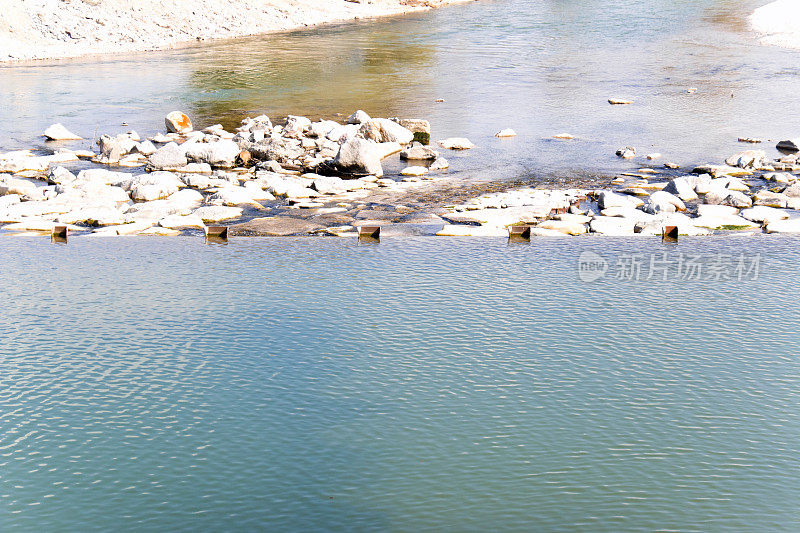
(778, 23)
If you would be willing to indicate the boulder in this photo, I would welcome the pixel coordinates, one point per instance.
(453, 230)
(386, 149)
(275, 226)
(613, 226)
(60, 175)
(439, 164)
(57, 132)
(790, 145)
(392, 131)
(726, 197)
(420, 128)
(664, 202)
(341, 133)
(748, 159)
(153, 186)
(321, 129)
(23, 187)
(723, 222)
(608, 199)
(791, 225)
(506, 133)
(682, 187)
(419, 152)
(181, 222)
(716, 171)
(359, 117)
(358, 157)
(780, 177)
(770, 199)
(456, 143)
(93, 216)
(793, 191)
(280, 150)
(716, 210)
(329, 184)
(762, 213)
(570, 227)
(169, 156)
(177, 122)
(233, 196)
(217, 213)
(626, 153)
(656, 225)
(219, 154)
(414, 171)
(186, 198)
(295, 126)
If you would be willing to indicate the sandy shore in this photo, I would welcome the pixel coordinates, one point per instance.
(778, 23)
(52, 29)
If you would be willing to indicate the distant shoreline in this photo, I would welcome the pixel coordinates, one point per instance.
(85, 28)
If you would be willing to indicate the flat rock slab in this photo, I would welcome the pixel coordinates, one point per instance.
(275, 226)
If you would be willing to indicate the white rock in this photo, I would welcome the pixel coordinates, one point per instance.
(762, 213)
(771, 199)
(159, 231)
(791, 225)
(217, 213)
(57, 132)
(456, 143)
(414, 171)
(664, 202)
(506, 133)
(450, 230)
(613, 226)
(747, 159)
(359, 117)
(186, 198)
(233, 196)
(682, 188)
(725, 222)
(608, 199)
(391, 131)
(220, 154)
(716, 210)
(570, 227)
(359, 156)
(177, 122)
(439, 164)
(181, 222)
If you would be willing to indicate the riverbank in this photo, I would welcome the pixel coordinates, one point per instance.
(778, 23)
(47, 29)
(299, 177)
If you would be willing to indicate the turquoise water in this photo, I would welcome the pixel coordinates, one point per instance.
(420, 384)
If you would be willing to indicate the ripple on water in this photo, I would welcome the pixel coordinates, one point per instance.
(314, 384)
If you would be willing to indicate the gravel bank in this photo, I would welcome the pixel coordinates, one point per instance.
(51, 29)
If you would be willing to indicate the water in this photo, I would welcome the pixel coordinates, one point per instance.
(541, 68)
(300, 384)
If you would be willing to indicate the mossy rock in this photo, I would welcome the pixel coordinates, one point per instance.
(422, 137)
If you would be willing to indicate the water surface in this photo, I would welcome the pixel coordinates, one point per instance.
(541, 68)
(421, 384)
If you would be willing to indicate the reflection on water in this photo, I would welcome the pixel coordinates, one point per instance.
(420, 384)
(541, 68)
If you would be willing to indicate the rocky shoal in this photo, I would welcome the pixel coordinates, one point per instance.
(301, 177)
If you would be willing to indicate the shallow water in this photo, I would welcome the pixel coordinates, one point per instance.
(415, 385)
(541, 68)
